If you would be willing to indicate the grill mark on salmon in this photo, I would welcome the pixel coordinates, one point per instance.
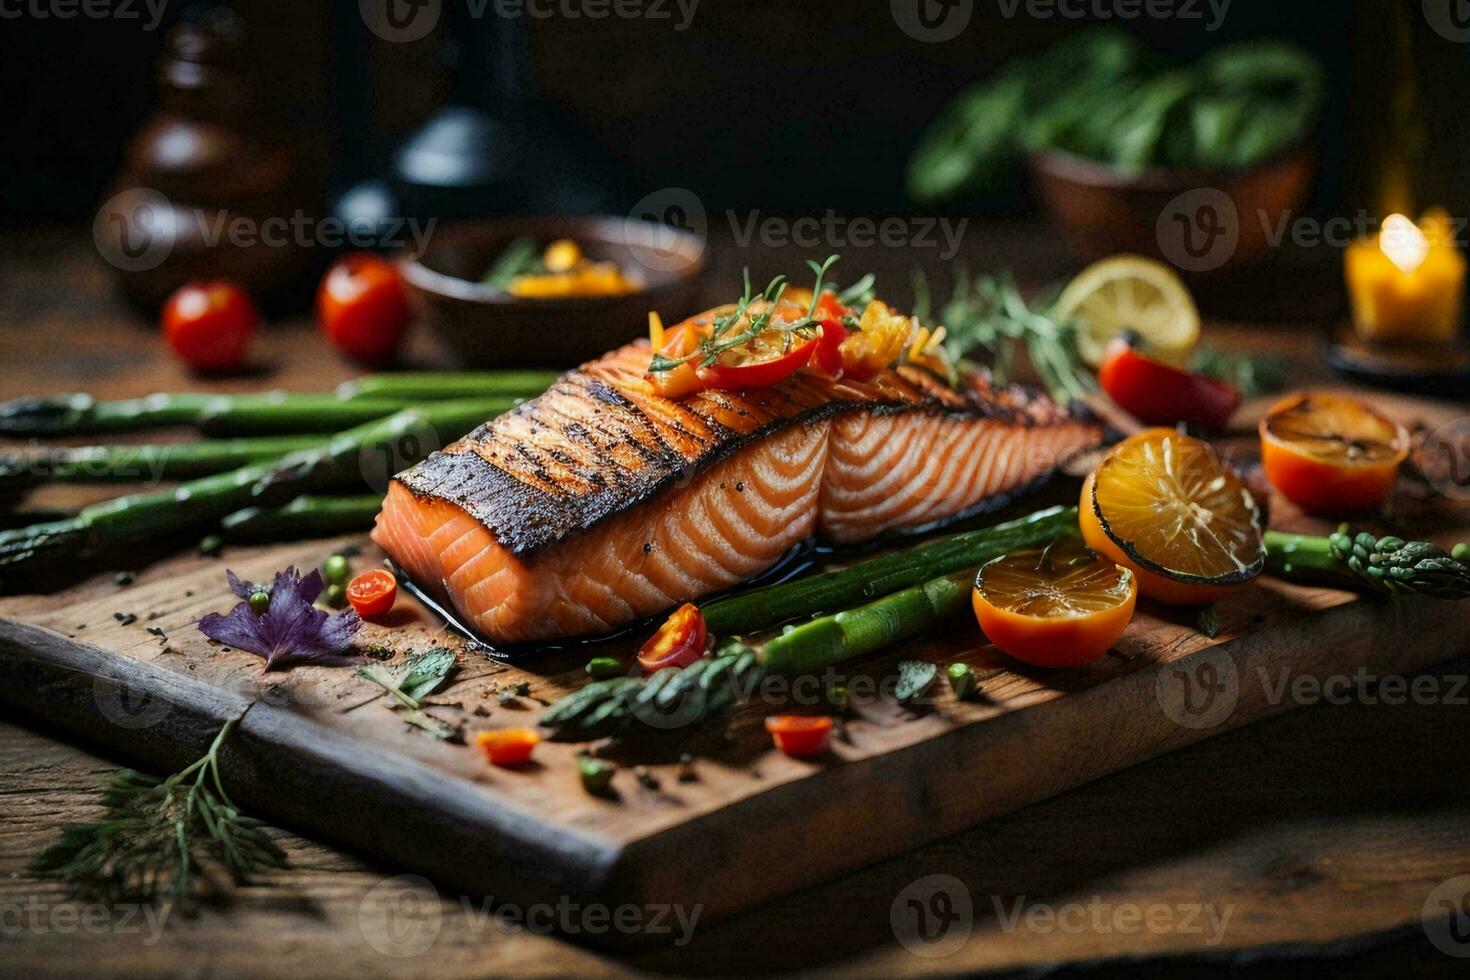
(598, 503)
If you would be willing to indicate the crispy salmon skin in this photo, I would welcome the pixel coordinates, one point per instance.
(598, 502)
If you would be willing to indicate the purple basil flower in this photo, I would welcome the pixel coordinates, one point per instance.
(292, 630)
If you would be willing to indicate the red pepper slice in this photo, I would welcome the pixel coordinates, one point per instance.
(760, 362)
(1159, 394)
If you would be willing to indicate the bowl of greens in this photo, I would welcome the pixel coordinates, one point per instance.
(1110, 133)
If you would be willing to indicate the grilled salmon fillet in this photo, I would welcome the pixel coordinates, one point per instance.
(599, 503)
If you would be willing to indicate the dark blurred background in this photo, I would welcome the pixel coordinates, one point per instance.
(782, 105)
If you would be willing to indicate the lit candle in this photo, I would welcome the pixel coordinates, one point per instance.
(1407, 283)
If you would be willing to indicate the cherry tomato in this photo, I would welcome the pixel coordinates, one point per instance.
(373, 593)
(800, 736)
(678, 643)
(508, 746)
(1158, 394)
(760, 362)
(363, 307)
(209, 324)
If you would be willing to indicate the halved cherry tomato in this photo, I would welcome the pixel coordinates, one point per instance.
(760, 362)
(508, 746)
(209, 324)
(373, 593)
(1160, 394)
(800, 736)
(363, 307)
(679, 641)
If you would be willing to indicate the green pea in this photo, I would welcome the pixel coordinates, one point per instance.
(336, 595)
(596, 774)
(260, 601)
(962, 679)
(604, 667)
(336, 570)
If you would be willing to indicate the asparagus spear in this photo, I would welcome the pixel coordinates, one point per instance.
(673, 698)
(1364, 563)
(766, 607)
(307, 516)
(403, 438)
(915, 599)
(142, 463)
(256, 413)
(423, 386)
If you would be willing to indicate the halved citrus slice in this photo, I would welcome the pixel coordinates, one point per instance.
(1330, 453)
(1130, 292)
(1168, 507)
(1061, 606)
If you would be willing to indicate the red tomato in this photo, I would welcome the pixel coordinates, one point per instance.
(760, 362)
(363, 307)
(508, 746)
(828, 355)
(209, 324)
(678, 643)
(1158, 394)
(373, 593)
(800, 736)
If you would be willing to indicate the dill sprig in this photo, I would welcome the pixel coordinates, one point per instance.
(721, 339)
(160, 835)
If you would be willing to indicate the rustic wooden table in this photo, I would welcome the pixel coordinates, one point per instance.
(1322, 835)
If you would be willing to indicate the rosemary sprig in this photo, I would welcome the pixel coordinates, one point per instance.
(159, 836)
(987, 315)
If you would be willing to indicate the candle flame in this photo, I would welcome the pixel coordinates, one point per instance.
(1403, 242)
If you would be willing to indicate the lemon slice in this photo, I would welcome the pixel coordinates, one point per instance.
(1130, 292)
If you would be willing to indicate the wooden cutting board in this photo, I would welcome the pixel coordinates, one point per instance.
(320, 748)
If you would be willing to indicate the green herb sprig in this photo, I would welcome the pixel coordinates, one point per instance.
(987, 316)
(721, 338)
(160, 835)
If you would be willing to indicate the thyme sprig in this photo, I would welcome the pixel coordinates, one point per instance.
(159, 835)
(721, 338)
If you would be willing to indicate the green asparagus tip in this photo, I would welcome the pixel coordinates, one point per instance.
(42, 416)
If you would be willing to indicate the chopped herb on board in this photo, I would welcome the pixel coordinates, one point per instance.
(1208, 622)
